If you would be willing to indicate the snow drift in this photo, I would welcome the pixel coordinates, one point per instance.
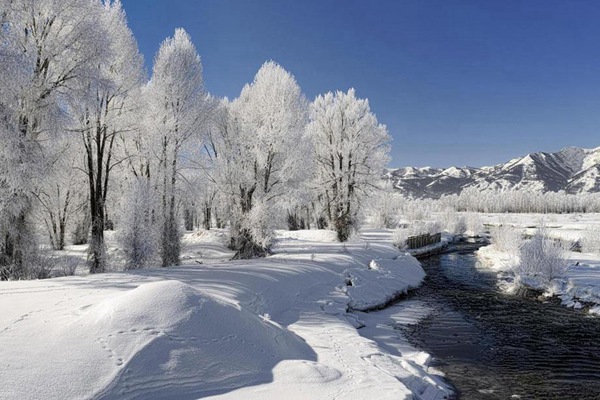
(246, 329)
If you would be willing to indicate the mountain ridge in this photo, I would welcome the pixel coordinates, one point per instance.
(572, 170)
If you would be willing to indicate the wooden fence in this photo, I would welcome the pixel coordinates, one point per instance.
(415, 242)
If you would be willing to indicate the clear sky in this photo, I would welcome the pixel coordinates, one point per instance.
(457, 82)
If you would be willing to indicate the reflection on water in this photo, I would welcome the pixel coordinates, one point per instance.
(496, 346)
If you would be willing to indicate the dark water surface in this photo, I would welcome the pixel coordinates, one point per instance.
(496, 346)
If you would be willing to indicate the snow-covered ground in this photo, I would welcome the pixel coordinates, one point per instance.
(581, 281)
(269, 328)
(569, 227)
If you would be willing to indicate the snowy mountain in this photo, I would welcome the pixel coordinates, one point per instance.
(572, 169)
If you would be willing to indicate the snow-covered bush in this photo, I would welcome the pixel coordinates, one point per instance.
(506, 238)
(541, 257)
(460, 227)
(590, 243)
(137, 230)
(253, 234)
(413, 212)
(448, 219)
(66, 266)
(400, 237)
(261, 225)
(453, 222)
(474, 224)
(431, 227)
(384, 208)
(40, 269)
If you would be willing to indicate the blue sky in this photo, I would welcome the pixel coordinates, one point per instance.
(456, 82)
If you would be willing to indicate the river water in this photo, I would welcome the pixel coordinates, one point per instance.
(492, 345)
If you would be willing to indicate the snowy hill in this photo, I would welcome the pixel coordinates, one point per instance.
(572, 169)
(281, 326)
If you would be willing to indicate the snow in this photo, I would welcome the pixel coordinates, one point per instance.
(581, 281)
(259, 328)
(381, 280)
(574, 158)
(592, 158)
(587, 180)
(455, 172)
(379, 327)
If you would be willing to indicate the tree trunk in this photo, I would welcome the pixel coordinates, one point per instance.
(97, 252)
(220, 223)
(207, 222)
(342, 223)
(16, 247)
(292, 221)
(307, 217)
(170, 239)
(189, 216)
(243, 241)
(170, 243)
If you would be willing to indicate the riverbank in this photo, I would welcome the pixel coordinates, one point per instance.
(234, 330)
(578, 287)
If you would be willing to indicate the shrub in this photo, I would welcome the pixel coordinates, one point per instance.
(506, 238)
(541, 257)
(384, 209)
(474, 224)
(138, 228)
(590, 243)
(66, 266)
(400, 237)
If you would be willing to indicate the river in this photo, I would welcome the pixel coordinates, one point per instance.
(492, 345)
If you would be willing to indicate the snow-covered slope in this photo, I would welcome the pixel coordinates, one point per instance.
(280, 327)
(572, 169)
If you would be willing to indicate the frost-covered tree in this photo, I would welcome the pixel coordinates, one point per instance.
(46, 48)
(60, 193)
(351, 150)
(180, 109)
(384, 207)
(261, 134)
(521, 201)
(106, 111)
(216, 162)
(590, 242)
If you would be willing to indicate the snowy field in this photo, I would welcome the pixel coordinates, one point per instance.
(580, 284)
(254, 329)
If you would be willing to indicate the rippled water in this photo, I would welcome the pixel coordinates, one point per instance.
(497, 346)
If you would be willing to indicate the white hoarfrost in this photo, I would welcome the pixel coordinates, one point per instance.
(257, 150)
(179, 110)
(264, 328)
(351, 149)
